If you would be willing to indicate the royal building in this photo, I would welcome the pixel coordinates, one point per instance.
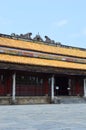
(37, 71)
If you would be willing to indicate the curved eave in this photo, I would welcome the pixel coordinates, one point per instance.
(42, 47)
(41, 62)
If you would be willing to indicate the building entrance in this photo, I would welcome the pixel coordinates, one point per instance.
(61, 86)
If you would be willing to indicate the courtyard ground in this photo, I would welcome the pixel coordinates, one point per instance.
(43, 117)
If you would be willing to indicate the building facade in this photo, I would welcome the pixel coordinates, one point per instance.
(37, 71)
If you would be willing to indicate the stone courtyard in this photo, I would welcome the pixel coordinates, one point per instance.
(43, 117)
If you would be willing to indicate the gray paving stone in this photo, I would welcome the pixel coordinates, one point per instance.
(43, 117)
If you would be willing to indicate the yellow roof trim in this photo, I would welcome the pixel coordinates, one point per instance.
(41, 47)
(41, 62)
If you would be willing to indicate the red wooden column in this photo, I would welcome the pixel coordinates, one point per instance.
(46, 86)
(8, 85)
(2, 89)
(77, 88)
(2, 85)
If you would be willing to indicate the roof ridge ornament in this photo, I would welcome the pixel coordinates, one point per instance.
(26, 36)
(38, 38)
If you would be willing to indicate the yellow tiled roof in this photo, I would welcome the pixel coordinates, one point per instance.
(41, 62)
(41, 47)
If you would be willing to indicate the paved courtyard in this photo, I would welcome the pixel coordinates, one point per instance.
(43, 117)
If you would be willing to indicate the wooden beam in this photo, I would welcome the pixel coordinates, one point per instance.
(41, 69)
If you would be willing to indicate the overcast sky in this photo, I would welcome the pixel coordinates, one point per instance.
(62, 20)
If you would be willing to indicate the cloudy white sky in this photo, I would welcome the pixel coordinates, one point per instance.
(62, 20)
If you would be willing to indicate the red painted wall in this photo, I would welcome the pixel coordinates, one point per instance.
(5, 84)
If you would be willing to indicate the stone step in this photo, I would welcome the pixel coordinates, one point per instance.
(69, 99)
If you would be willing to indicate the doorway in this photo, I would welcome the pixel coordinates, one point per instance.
(61, 86)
